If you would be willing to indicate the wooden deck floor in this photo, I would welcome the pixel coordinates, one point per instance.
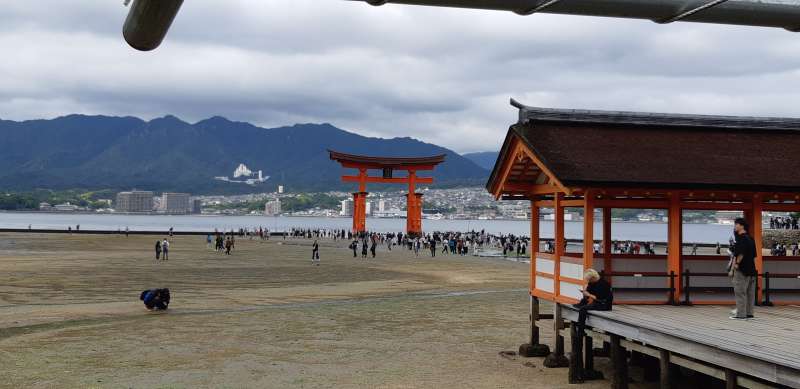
(766, 347)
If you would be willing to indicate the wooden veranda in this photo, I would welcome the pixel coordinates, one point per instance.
(600, 161)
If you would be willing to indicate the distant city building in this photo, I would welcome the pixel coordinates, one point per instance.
(347, 208)
(197, 206)
(242, 171)
(272, 208)
(381, 205)
(243, 175)
(66, 207)
(280, 189)
(176, 203)
(369, 208)
(135, 201)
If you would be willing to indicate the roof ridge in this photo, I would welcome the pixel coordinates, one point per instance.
(528, 113)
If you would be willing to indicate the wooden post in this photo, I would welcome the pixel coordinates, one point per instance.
(608, 265)
(534, 348)
(557, 358)
(619, 361)
(674, 243)
(666, 383)
(589, 373)
(730, 379)
(575, 356)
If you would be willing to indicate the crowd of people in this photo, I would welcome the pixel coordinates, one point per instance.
(781, 250)
(783, 223)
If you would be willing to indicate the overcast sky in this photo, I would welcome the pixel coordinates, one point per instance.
(441, 75)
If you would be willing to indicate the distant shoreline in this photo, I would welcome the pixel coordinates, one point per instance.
(309, 216)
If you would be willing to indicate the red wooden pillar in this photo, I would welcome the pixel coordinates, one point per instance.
(559, 237)
(534, 242)
(588, 230)
(414, 214)
(674, 242)
(608, 265)
(359, 212)
(414, 207)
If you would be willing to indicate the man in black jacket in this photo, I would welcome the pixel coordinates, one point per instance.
(598, 296)
(744, 270)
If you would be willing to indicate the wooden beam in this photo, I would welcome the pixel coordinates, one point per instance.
(528, 188)
(781, 207)
(632, 203)
(546, 170)
(714, 206)
(511, 159)
(573, 203)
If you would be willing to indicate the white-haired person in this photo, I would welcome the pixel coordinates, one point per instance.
(597, 296)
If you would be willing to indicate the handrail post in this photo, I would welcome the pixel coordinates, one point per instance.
(767, 288)
(671, 300)
(687, 285)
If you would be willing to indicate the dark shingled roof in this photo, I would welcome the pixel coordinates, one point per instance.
(386, 162)
(642, 150)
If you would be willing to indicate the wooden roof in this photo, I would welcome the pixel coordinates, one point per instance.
(603, 149)
(356, 161)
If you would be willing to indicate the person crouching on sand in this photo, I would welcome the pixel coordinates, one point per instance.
(155, 299)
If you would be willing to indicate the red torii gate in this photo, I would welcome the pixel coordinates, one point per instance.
(387, 165)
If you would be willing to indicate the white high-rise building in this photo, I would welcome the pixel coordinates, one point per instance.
(135, 201)
(176, 203)
(381, 205)
(369, 208)
(347, 208)
(272, 208)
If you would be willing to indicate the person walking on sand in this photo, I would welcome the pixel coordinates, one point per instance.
(315, 254)
(165, 249)
(354, 246)
(228, 246)
(373, 246)
(364, 248)
(158, 250)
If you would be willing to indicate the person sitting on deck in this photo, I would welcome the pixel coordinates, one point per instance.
(155, 299)
(597, 296)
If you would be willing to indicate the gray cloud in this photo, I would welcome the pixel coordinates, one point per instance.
(441, 75)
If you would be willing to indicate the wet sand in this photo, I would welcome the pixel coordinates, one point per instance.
(263, 317)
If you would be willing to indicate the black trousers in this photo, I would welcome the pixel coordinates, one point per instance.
(583, 310)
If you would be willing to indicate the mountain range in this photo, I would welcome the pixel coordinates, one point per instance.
(485, 159)
(168, 154)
